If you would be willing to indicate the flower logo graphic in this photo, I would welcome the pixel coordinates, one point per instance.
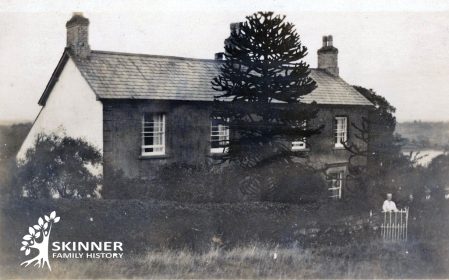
(37, 238)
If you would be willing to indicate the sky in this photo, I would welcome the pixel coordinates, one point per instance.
(398, 48)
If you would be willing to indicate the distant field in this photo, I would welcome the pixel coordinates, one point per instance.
(425, 134)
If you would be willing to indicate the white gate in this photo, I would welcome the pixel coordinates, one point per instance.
(394, 226)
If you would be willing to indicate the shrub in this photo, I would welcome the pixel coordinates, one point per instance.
(59, 167)
(197, 183)
(299, 184)
(289, 183)
(118, 186)
(11, 137)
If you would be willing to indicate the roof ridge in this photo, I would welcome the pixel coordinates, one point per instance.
(154, 55)
(168, 56)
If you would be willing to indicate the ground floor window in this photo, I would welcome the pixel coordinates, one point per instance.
(219, 136)
(336, 180)
(153, 134)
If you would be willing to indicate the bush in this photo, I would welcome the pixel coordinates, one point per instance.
(197, 183)
(118, 186)
(299, 184)
(142, 225)
(59, 167)
(288, 183)
(11, 137)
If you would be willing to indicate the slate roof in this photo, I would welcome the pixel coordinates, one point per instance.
(114, 75)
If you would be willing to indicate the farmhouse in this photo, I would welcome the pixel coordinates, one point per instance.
(143, 111)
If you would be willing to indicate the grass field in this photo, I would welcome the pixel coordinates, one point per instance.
(425, 255)
(372, 260)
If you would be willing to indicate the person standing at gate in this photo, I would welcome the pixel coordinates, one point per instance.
(389, 205)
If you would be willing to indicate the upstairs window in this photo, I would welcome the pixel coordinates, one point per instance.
(301, 144)
(340, 131)
(153, 134)
(336, 182)
(219, 136)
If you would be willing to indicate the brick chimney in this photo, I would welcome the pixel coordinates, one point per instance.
(234, 27)
(328, 56)
(219, 56)
(78, 35)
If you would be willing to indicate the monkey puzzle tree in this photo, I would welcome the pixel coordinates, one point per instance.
(261, 84)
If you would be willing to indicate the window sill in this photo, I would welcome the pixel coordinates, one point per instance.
(338, 148)
(153, 157)
(217, 155)
(301, 150)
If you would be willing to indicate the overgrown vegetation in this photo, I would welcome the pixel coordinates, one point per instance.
(261, 261)
(11, 138)
(58, 167)
(387, 169)
(178, 237)
(293, 183)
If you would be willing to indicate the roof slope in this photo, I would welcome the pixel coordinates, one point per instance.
(115, 75)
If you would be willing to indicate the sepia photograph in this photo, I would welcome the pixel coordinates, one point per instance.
(211, 139)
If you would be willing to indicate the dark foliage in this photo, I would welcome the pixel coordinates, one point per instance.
(438, 170)
(300, 184)
(293, 183)
(118, 186)
(263, 67)
(386, 166)
(154, 224)
(437, 180)
(183, 182)
(152, 227)
(11, 137)
(176, 182)
(388, 169)
(58, 166)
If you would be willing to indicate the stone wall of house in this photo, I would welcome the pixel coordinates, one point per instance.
(186, 139)
(322, 147)
(188, 135)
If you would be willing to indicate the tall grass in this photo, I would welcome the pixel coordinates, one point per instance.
(372, 260)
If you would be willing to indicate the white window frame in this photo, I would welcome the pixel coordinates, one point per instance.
(301, 144)
(336, 179)
(340, 131)
(222, 132)
(158, 134)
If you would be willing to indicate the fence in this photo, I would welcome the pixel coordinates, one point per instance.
(395, 225)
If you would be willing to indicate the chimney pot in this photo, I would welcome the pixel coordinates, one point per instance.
(328, 56)
(324, 41)
(329, 41)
